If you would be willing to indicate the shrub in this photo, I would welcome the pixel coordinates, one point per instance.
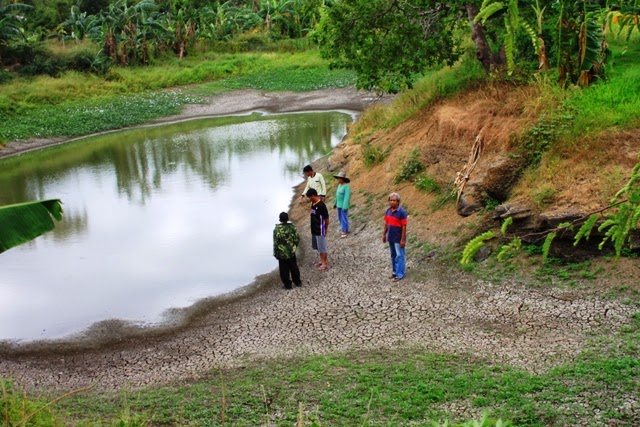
(427, 184)
(411, 167)
(5, 76)
(544, 197)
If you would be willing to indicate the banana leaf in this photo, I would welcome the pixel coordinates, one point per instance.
(22, 222)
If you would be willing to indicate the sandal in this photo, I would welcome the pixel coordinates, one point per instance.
(323, 267)
(344, 235)
(393, 276)
(397, 279)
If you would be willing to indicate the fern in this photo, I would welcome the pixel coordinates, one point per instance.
(475, 245)
(507, 222)
(585, 229)
(510, 249)
(487, 10)
(509, 44)
(547, 245)
(532, 35)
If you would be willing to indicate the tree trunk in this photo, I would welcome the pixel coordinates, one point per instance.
(488, 59)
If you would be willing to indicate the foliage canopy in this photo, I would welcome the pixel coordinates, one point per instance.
(388, 42)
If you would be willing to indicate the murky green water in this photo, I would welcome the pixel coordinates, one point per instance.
(155, 218)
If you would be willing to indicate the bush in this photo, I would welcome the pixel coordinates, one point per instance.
(5, 76)
(427, 184)
(35, 58)
(80, 60)
(411, 167)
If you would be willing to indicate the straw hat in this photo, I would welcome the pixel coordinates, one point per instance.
(343, 176)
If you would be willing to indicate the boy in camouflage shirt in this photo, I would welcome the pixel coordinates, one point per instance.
(285, 243)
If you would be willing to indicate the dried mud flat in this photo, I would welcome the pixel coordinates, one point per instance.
(351, 306)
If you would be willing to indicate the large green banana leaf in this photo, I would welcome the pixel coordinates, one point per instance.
(22, 222)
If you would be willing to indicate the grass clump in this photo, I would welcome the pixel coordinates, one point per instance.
(17, 410)
(372, 154)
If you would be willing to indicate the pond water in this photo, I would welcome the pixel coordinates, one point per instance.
(154, 218)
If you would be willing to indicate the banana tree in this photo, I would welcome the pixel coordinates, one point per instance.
(23, 222)
(79, 23)
(513, 22)
(582, 48)
(10, 23)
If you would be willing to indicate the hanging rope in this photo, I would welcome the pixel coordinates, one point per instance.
(463, 176)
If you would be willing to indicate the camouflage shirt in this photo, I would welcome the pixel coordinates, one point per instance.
(285, 240)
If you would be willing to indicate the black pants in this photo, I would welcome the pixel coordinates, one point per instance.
(289, 271)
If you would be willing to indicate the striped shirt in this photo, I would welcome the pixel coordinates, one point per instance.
(395, 221)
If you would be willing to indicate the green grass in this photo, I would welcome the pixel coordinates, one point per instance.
(427, 184)
(77, 104)
(613, 103)
(293, 78)
(379, 388)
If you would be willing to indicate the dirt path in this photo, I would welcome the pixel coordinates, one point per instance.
(352, 306)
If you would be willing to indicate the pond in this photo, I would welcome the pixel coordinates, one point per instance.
(154, 218)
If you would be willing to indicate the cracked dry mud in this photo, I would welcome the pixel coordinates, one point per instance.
(351, 306)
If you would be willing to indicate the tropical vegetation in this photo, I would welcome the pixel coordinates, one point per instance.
(69, 68)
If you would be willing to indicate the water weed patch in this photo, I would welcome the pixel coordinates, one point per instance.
(85, 117)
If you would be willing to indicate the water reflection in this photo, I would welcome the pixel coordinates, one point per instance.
(154, 218)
